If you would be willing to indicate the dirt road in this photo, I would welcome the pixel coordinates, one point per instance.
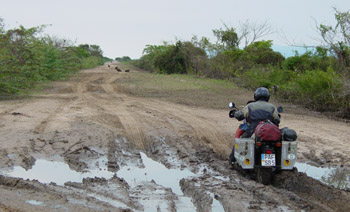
(129, 145)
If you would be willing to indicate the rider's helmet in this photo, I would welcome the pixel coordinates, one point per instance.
(262, 94)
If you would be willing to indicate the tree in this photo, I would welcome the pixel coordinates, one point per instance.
(26, 58)
(123, 59)
(205, 45)
(2, 26)
(231, 38)
(337, 38)
(227, 38)
(148, 56)
(261, 53)
(251, 32)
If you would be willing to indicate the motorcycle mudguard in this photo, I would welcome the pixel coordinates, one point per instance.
(244, 152)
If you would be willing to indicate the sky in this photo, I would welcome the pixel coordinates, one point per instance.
(125, 27)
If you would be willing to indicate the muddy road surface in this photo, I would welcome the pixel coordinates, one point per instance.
(86, 145)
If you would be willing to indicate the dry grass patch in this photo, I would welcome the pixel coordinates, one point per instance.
(184, 89)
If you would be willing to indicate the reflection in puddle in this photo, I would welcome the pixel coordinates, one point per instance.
(313, 171)
(57, 172)
(153, 170)
(168, 178)
(34, 202)
(216, 205)
(337, 177)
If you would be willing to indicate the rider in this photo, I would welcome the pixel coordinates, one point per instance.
(242, 127)
(254, 112)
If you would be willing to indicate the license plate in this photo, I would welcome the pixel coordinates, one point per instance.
(268, 160)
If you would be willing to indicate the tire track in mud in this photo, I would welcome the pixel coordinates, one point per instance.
(133, 131)
(319, 196)
(9, 110)
(259, 191)
(108, 85)
(39, 129)
(132, 107)
(203, 129)
(119, 108)
(195, 126)
(193, 140)
(295, 190)
(78, 90)
(321, 140)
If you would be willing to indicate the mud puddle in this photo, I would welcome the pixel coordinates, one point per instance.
(334, 176)
(168, 178)
(34, 202)
(153, 170)
(156, 172)
(58, 172)
(134, 175)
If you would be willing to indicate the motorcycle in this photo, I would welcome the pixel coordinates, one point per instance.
(263, 158)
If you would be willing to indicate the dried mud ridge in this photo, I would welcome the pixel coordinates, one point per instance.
(89, 123)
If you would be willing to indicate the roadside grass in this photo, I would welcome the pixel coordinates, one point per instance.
(184, 89)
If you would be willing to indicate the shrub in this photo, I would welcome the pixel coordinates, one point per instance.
(266, 77)
(226, 64)
(261, 53)
(26, 59)
(310, 61)
(317, 90)
(146, 62)
(123, 59)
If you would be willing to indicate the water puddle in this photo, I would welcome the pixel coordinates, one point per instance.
(336, 177)
(156, 171)
(161, 175)
(216, 205)
(58, 172)
(34, 202)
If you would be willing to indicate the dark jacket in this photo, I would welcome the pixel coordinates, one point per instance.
(256, 112)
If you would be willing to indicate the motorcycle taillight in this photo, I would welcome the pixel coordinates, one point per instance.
(268, 151)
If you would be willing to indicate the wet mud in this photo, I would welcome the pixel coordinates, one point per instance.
(123, 153)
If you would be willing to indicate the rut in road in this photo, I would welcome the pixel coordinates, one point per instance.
(81, 120)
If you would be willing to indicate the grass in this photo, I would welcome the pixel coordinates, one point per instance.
(184, 89)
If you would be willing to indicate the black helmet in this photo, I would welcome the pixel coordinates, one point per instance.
(262, 94)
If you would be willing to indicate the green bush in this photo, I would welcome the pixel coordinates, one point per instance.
(146, 62)
(316, 90)
(26, 59)
(171, 61)
(261, 53)
(123, 59)
(181, 58)
(266, 77)
(226, 64)
(318, 79)
(318, 60)
(91, 62)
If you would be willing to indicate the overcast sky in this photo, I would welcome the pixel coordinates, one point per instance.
(124, 27)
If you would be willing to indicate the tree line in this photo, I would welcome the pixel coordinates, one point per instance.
(27, 58)
(318, 79)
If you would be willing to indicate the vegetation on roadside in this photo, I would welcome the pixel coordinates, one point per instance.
(318, 79)
(123, 59)
(26, 58)
(183, 89)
